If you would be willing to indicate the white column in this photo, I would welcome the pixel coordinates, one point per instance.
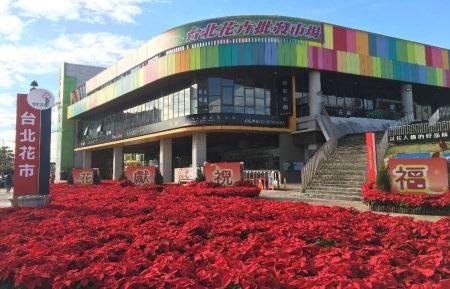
(87, 155)
(198, 149)
(314, 99)
(407, 98)
(165, 159)
(117, 162)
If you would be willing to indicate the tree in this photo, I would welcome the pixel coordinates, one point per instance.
(6, 160)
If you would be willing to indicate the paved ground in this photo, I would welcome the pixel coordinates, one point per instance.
(289, 193)
(294, 195)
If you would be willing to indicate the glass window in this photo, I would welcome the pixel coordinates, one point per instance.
(227, 82)
(176, 104)
(238, 101)
(249, 110)
(249, 97)
(259, 106)
(325, 100)
(227, 95)
(238, 109)
(332, 100)
(214, 85)
(238, 90)
(170, 106)
(227, 108)
(187, 101)
(259, 93)
(340, 101)
(214, 108)
(348, 102)
(267, 98)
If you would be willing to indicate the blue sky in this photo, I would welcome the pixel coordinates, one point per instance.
(37, 36)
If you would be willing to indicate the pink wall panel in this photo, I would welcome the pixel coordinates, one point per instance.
(351, 40)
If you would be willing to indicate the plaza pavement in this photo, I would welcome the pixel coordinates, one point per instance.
(290, 193)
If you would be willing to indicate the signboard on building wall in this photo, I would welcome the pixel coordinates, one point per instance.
(254, 26)
(284, 97)
(83, 176)
(418, 175)
(141, 175)
(420, 133)
(224, 174)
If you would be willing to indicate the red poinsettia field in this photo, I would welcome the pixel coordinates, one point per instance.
(109, 236)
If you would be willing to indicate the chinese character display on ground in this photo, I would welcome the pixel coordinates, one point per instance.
(83, 176)
(420, 175)
(223, 177)
(141, 175)
(223, 174)
(411, 178)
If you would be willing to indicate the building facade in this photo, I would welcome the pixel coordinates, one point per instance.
(246, 88)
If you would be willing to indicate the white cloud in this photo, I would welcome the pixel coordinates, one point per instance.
(90, 48)
(11, 26)
(94, 11)
(19, 64)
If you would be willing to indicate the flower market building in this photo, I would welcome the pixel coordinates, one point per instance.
(254, 89)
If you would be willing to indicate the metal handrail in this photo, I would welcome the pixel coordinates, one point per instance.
(267, 175)
(322, 155)
(384, 142)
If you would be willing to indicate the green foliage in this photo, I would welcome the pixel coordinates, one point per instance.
(70, 178)
(326, 243)
(122, 177)
(158, 177)
(383, 181)
(96, 178)
(6, 159)
(200, 177)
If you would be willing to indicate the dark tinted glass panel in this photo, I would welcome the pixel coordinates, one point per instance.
(214, 85)
(227, 95)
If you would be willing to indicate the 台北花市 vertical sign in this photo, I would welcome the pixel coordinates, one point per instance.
(33, 128)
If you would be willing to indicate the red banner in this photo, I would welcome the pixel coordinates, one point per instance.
(418, 175)
(141, 175)
(224, 174)
(26, 163)
(371, 157)
(83, 176)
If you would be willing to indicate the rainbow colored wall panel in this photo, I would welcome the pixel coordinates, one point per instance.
(339, 49)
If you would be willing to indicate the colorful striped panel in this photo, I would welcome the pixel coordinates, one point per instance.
(343, 50)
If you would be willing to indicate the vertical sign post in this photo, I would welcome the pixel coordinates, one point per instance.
(371, 157)
(32, 161)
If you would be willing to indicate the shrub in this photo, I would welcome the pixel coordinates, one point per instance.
(200, 177)
(244, 183)
(159, 180)
(70, 178)
(122, 177)
(383, 182)
(96, 178)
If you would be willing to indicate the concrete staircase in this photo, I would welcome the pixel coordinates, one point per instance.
(342, 176)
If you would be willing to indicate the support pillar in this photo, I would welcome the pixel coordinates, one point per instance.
(87, 156)
(407, 99)
(165, 159)
(117, 162)
(314, 97)
(198, 150)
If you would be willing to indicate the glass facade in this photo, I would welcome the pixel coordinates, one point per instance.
(204, 95)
